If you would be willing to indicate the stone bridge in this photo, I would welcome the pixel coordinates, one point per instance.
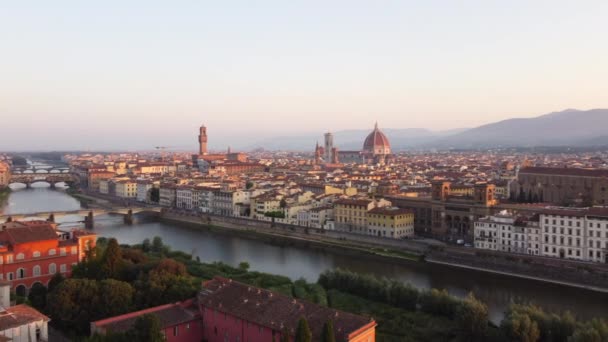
(87, 214)
(38, 170)
(52, 178)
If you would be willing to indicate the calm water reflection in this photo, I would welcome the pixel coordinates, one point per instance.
(296, 262)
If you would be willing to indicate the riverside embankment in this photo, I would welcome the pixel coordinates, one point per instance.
(562, 272)
(299, 259)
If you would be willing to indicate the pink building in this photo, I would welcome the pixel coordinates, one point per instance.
(232, 311)
(180, 322)
(226, 310)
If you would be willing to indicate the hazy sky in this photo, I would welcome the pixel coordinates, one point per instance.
(135, 74)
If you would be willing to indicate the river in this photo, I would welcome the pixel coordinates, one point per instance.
(295, 262)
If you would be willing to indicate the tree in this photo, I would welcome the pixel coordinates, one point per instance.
(593, 331)
(171, 266)
(249, 185)
(37, 296)
(115, 297)
(303, 333)
(243, 266)
(74, 303)
(111, 263)
(328, 332)
(520, 327)
(157, 244)
(56, 280)
(285, 335)
(472, 317)
(145, 245)
(147, 328)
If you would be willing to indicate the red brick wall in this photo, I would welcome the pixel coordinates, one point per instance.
(218, 325)
(187, 332)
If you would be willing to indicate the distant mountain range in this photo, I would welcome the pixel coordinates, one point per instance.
(570, 127)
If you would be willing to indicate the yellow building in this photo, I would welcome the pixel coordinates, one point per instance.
(126, 189)
(390, 222)
(351, 214)
(263, 204)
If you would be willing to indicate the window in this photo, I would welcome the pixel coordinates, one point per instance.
(175, 330)
(52, 269)
(52, 252)
(63, 268)
(20, 256)
(9, 276)
(62, 251)
(74, 250)
(36, 271)
(21, 273)
(36, 254)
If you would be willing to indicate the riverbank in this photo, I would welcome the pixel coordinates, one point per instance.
(577, 277)
(286, 239)
(522, 276)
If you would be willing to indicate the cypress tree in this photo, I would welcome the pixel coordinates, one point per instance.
(303, 333)
(112, 260)
(285, 335)
(328, 332)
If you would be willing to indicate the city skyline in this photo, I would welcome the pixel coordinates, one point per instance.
(100, 73)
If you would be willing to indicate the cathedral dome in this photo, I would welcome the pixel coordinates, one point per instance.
(377, 143)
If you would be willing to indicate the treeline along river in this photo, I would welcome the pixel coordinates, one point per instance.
(295, 262)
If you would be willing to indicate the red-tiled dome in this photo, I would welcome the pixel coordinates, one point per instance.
(377, 143)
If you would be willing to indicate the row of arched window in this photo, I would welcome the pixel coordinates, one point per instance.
(36, 271)
(37, 254)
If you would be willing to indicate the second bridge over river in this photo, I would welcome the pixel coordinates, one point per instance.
(87, 214)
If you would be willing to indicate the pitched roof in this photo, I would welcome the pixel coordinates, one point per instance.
(23, 232)
(357, 202)
(565, 171)
(391, 211)
(168, 314)
(277, 311)
(18, 315)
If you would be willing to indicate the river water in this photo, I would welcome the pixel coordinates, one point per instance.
(295, 262)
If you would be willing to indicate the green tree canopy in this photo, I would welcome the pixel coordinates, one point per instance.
(147, 328)
(37, 296)
(328, 332)
(74, 303)
(303, 333)
(472, 317)
(520, 327)
(112, 262)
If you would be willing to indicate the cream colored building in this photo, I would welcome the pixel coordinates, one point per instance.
(390, 222)
(351, 214)
(126, 189)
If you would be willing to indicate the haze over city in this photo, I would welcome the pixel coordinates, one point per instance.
(140, 74)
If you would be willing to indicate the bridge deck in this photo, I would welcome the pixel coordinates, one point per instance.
(57, 214)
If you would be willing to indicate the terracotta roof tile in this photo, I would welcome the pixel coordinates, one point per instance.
(275, 311)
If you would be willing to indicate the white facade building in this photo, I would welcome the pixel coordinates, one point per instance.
(508, 233)
(144, 186)
(576, 234)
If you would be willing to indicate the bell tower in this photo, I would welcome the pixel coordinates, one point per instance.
(202, 140)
